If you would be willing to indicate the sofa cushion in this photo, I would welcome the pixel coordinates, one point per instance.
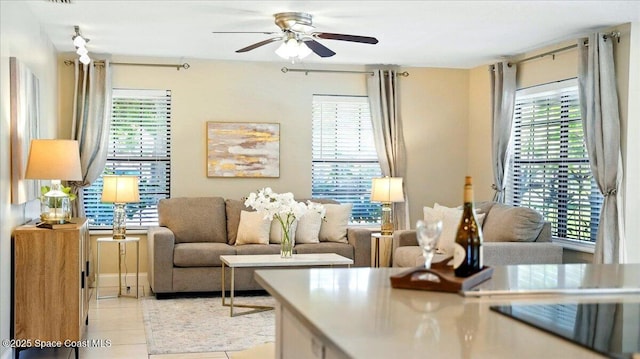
(196, 219)
(342, 249)
(200, 254)
(275, 234)
(258, 249)
(309, 228)
(233, 208)
(505, 223)
(253, 228)
(450, 221)
(334, 226)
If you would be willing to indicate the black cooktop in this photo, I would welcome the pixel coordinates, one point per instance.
(612, 329)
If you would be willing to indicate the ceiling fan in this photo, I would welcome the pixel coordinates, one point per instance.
(298, 37)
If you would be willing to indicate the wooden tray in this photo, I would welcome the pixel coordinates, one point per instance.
(440, 277)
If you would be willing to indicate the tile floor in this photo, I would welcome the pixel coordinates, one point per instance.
(119, 320)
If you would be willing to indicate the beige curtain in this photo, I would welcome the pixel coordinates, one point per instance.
(382, 90)
(601, 122)
(91, 118)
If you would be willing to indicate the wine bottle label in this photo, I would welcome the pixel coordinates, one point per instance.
(459, 254)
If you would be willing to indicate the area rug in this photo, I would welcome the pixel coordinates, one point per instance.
(194, 325)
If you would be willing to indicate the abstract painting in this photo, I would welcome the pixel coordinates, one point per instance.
(25, 113)
(239, 149)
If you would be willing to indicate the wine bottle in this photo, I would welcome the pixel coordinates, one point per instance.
(467, 255)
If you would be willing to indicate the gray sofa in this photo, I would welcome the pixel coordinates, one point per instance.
(512, 235)
(184, 250)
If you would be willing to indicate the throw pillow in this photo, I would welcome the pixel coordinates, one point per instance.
(450, 222)
(253, 228)
(334, 227)
(308, 228)
(507, 223)
(275, 234)
(233, 209)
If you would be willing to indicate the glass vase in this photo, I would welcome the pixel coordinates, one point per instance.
(286, 242)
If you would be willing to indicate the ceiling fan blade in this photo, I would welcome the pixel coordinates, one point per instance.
(258, 44)
(343, 37)
(318, 48)
(246, 32)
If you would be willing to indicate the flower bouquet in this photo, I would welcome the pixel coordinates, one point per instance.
(284, 208)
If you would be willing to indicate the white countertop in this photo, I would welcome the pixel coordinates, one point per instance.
(358, 313)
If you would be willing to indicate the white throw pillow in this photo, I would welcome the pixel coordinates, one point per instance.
(253, 228)
(308, 228)
(334, 226)
(450, 221)
(275, 234)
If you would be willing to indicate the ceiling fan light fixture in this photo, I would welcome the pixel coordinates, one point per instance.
(293, 49)
(85, 59)
(82, 51)
(79, 41)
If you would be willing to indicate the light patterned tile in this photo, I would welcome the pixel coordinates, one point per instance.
(134, 351)
(215, 355)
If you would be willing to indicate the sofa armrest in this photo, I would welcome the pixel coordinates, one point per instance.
(161, 241)
(402, 238)
(545, 233)
(360, 239)
(507, 253)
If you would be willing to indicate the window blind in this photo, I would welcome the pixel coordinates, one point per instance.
(549, 166)
(344, 158)
(140, 145)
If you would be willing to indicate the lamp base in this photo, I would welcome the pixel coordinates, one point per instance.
(119, 221)
(386, 228)
(55, 206)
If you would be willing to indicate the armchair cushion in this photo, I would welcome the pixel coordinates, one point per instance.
(505, 223)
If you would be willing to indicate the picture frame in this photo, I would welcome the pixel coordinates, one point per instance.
(25, 126)
(243, 149)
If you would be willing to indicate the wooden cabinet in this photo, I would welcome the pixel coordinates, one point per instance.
(50, 283)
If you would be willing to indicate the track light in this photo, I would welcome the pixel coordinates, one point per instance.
(80, 43)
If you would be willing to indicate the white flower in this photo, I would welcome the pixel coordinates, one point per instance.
(282, 207)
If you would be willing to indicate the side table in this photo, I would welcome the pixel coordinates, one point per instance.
(120, 242)
(381, 250)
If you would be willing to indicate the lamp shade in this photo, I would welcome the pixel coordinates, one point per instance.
(387, 189)
(54, 159)
(120, 189)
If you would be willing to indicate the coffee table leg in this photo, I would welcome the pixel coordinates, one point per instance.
(223, 285)
(233, 281)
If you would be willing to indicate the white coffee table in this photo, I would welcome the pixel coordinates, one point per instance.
(273, 260)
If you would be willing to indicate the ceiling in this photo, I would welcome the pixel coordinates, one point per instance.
(457, 34)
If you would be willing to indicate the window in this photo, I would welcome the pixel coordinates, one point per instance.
(139, 144)
(549, 166)
(344, 158)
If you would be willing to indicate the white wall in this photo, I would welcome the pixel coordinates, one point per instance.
(21, 37)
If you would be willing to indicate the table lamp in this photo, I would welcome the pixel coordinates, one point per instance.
(387, 190)
(120, 190)
(54, 160)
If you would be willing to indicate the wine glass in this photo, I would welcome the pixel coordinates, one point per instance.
(428, 232)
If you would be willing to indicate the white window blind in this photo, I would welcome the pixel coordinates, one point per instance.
(549, 167)
(140, 145)
(344, 158)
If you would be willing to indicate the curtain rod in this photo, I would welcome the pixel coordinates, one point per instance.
(185, 65)
(612, 34)
(306, 72)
